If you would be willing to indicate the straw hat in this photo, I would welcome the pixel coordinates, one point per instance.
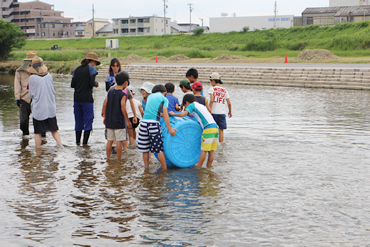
(93, 56)
(37, 66)
(30, 55)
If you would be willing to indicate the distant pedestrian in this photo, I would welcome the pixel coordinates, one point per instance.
(41, 91)
(219, 97)
(83, 81)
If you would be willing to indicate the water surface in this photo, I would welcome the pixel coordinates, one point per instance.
(294, 170)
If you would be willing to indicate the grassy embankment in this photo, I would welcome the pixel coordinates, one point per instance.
(344, 40)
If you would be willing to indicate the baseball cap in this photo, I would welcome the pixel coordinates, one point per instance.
(215, 76)
(184, 82)
(197, 85)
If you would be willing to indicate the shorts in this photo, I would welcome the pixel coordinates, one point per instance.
(209, 138)
(134, 126)
(46, 125)
(150, 137)
(117, 134)
(220, 119)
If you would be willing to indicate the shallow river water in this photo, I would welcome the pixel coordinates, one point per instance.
(293, 171)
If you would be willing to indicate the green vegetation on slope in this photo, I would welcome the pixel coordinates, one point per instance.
(344, 39)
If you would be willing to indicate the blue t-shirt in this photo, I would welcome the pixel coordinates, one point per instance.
(154, 106)
(172, 101)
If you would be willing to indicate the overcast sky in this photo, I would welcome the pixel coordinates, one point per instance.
(81, 10)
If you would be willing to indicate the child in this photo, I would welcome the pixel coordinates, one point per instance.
(115, 114)
(138, 108)
(185, 88)
(197, 89)
(146, 90)
(218, 98)
(192, 75)
(43, 107)
(150, 136)
(173, 102)
(209, 126)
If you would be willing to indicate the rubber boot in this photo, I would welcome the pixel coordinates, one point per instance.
(78, 137)
(86, 136)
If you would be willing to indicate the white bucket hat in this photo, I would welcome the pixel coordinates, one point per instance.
(147, 86)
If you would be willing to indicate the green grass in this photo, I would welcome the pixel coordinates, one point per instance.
(344, 39)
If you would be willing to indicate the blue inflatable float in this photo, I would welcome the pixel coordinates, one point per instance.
(183, 149)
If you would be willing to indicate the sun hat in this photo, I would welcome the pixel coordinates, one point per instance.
(93, 56)
(184, 82)
(215, 76)
(30, 55)
(147, 86)
(37, 66)
(197, 85)
(132, 89)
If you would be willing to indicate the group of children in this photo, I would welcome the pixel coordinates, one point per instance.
(122, 114)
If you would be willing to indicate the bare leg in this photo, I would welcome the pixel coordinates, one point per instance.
(134, 130)
(38, 140)
(211, 157)
(108, 149)
(146, 159)
(57, 137)
(162, 159)
(221, 135)
(119, 149)
(202, 158)
(125, 145)
(131, 136)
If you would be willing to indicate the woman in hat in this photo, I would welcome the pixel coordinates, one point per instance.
(21, 93)
(41, 91)
(83, 81)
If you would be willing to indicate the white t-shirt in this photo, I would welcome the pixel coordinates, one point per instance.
(130, 114)
(220, 95)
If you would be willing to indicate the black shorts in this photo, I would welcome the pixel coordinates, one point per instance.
(46, 125)
(134, 126)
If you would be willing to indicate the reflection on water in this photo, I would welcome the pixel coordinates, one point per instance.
(294, 170)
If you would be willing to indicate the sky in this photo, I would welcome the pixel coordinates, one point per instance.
(179, 10)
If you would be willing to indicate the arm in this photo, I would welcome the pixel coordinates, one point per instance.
(104, 107)
(180, 114)
(133, 111)
(208, 107)
(229, 105)
(167, 121)
(211, 100)
(17, 86)
(177, 107)
(124, 112)
(93, 83)
(141, 111)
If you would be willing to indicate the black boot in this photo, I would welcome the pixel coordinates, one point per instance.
(86, 136)
(78, 137)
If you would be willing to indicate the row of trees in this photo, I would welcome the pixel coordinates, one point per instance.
(11, 38)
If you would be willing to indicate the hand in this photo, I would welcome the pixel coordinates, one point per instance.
(104, 121)
(97, 85)
(129, 125)
(18, 103)
(230, 115)
(171, 113)
(173, 132)
(102, 114)
(134, 120)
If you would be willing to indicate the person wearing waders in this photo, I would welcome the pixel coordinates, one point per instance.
(83, 82)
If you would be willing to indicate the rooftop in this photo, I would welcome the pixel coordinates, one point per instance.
(340, 11)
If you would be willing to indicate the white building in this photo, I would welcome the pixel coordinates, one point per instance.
(228, 24)
(145, 25)
(341, 3)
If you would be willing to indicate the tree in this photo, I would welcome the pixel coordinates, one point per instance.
(245, 29)
(11, 38)
(198, 30)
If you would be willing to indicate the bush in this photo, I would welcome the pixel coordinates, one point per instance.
(11, 38)
(198, 31)
(195, 53)
(244, 30)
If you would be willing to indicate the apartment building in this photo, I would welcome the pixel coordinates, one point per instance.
(137, 26)
(93, 25)
(31, 16)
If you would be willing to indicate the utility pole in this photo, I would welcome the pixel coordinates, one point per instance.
(164, 18)
(275, 20)
(191, 9)
(93, 21)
